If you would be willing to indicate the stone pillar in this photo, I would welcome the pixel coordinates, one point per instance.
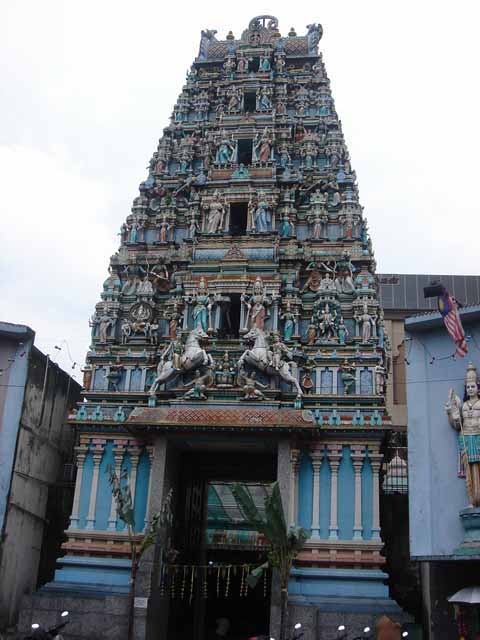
(318, 380)
(334, 457)
(283, 479)
(358, 371)
(335, 380)
(134, 453)
(128, 375)
(376, 461)
(316, 464)
(147, 510)
(118, 454)
(358, 455)
(97, 458)
(292, 504)
(143, 381)
(275, 315)
(81, 452)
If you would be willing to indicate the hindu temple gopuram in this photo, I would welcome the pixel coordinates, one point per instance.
(238, 338)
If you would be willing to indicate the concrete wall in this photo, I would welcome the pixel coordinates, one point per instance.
(42, 445)
(15, 346)
(436, 492)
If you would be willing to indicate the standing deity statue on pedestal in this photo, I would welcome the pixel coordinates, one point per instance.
(464, 417)
(202, 307)
(216, 213)
(256, 306)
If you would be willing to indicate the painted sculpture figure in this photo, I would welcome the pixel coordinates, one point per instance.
(256, 306)
(260, 357)
(202, 307)
(464, 417)
(193, 356)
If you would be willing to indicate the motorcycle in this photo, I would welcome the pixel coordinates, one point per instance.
(53, 633)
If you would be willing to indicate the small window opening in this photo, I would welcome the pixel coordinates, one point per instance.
(250, 101)
(254, 64)
(231, 318)
(238, 218)
(245, 151)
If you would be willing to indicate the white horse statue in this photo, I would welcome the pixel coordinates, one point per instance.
(172, 364)
(261, 357)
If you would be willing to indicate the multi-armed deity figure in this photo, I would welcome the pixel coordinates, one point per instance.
(216, 214)
(202, 307)
(256, 306)
(464, 417)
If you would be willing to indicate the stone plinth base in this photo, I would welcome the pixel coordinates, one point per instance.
(361, 599)
(91, 615)
(470, 518)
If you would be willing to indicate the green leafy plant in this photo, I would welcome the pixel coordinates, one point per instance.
(123, 500)
(284, 543)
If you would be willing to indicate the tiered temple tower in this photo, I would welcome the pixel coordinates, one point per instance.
(240, 318)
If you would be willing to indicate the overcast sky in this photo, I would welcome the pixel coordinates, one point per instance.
(87, 87)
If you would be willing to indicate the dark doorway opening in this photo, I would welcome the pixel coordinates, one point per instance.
(232, 316)
(238, 218)
(212, 536)
(250, 101)
(254, 64)
(245, 151)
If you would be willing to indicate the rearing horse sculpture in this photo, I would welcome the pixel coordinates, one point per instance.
(260, 357)
(193, 357)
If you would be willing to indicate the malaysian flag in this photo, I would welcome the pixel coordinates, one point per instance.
(447, 306)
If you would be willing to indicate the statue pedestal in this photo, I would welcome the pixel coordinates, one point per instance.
(470, 518)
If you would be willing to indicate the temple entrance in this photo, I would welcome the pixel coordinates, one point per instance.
(207, 582)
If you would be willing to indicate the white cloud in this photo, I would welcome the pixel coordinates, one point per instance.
(56, 244)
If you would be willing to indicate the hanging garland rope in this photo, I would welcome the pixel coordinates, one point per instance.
(174, 579)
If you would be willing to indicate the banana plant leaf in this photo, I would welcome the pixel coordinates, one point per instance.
(248, 508)
(122, 496)
(275, 517)
(256, 574)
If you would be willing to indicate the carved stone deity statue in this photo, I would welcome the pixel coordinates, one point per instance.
(202, 307)
(234, 100)
(342, 331)
(344, 274)
(288, 322)
(327, 283)
(278, 350)
(380, 377)
(216, 214)
(464, 417)
(262, 217)
(286, 228)
(347, 374)
(225, 151)
(366, 322)
(251, 387)
(326, 321)
(256, 306)
(262, 147)
(242, 64)
(103, 322)
(264, 101)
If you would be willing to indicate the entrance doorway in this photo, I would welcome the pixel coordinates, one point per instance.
(217, 547)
